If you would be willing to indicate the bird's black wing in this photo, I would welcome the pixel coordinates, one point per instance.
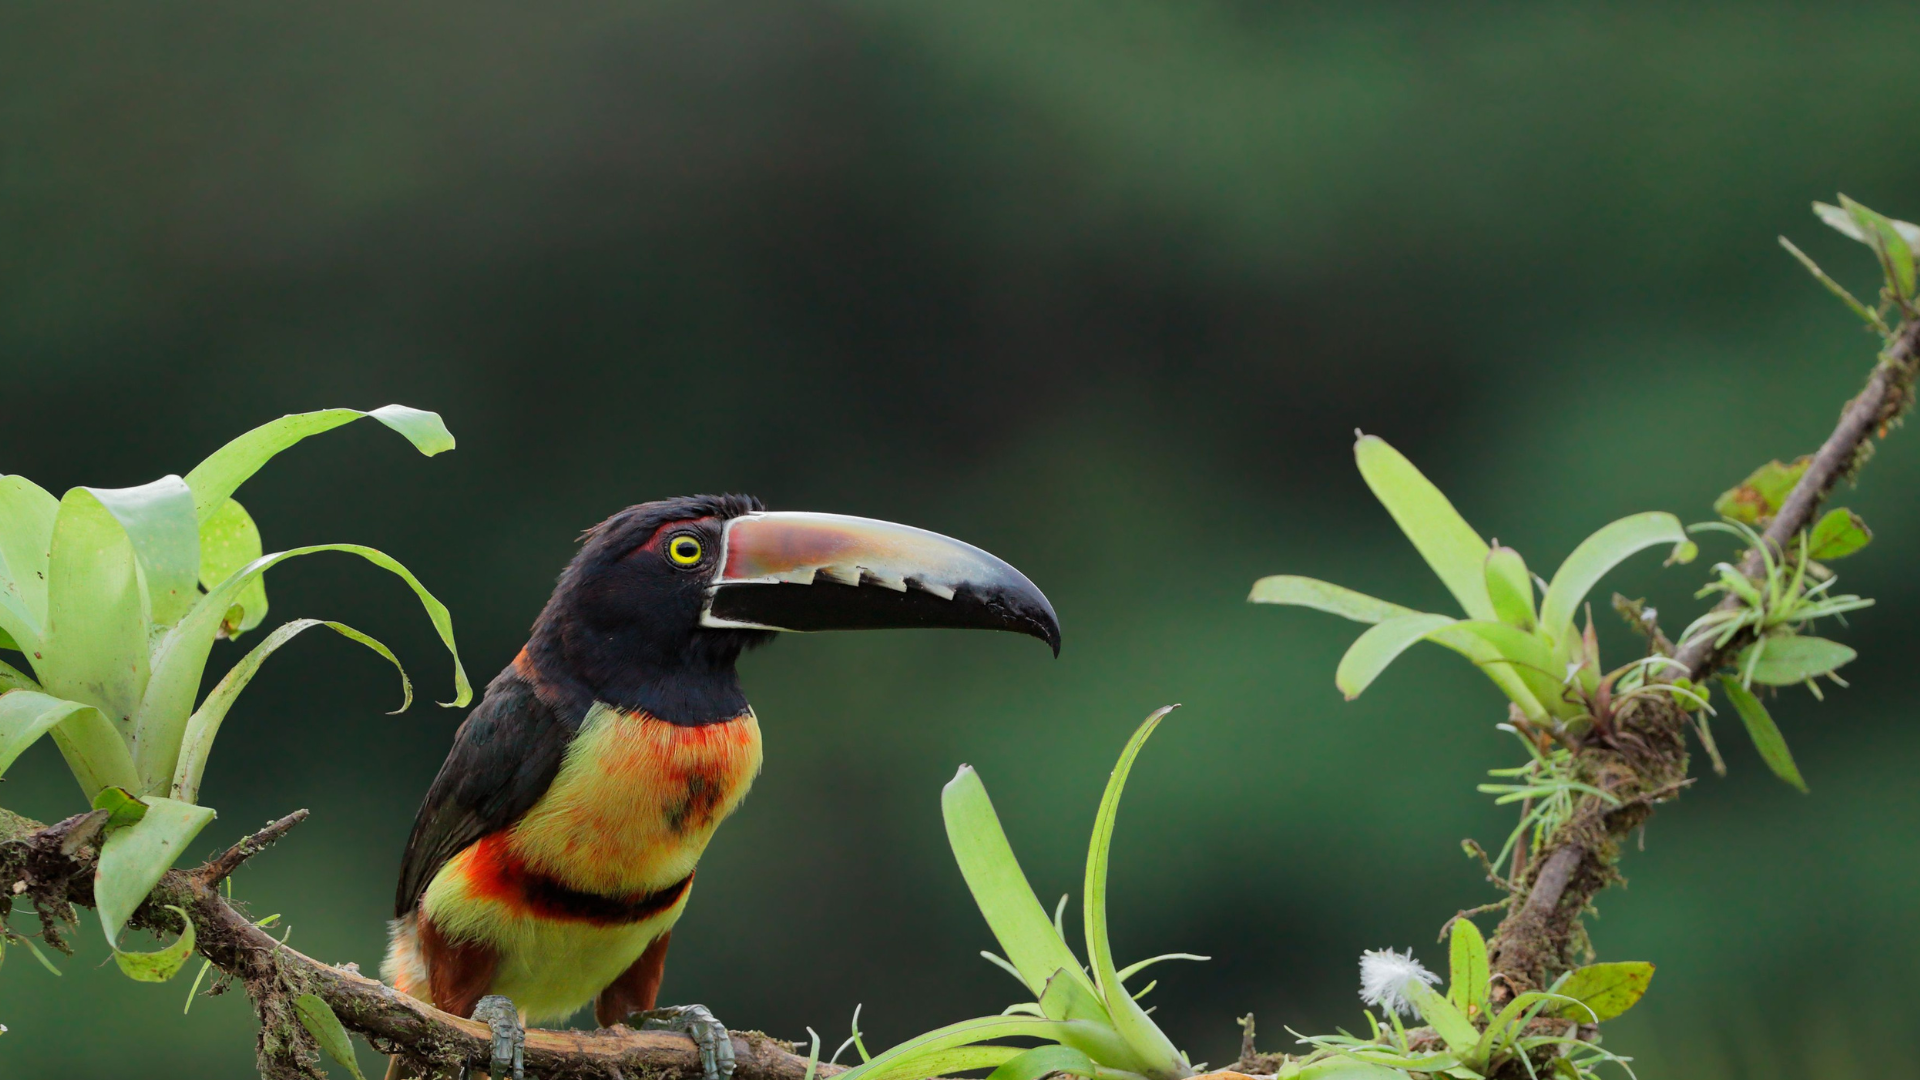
(504, 758)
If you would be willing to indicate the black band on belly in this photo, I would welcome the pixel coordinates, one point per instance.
(557, 901)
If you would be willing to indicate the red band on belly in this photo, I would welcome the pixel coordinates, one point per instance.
(493, 872)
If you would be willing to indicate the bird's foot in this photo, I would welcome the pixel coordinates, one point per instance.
(696, 1022)
(509, 1036)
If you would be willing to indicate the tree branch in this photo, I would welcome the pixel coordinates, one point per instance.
(1646, 761)
(44, 866)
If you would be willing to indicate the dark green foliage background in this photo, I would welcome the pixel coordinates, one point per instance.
(1104, 287)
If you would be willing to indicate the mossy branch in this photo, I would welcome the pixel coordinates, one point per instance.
(51, 867)
(1645, 760)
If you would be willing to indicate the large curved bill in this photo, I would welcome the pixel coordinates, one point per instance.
(792, 570)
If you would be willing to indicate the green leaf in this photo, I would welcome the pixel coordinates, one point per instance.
(1447, 1020)
(196, 742)
(900, 1062)
(230, 540)
(1000, 887)
(25, 715)
(1866, 314)
(1341, 1068)
(318, 1018)
(1456, 553)
(1323, 596)
(97, 614)
(1607, 989)
(158, 519)
(1162, 1060)
(1843, 223)
(121, 806)
(1791, 659)
(1380, 646)
(86, 738)
(162, 964)
(1138, 966)
(26, 532)
(1468, 977)
(1839, 533)
(1518, 662)
(1510, 587)
(1044, 1061)
(1067, 998)
(1757, 498)
(12, 678)
(956, 1059)
(1878, 233)
(181, 657)
(1607, 548)
(133, 859)
(1760, 727)
(228, 467)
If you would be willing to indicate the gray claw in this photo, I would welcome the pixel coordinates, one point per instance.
(696, 1022)
(509, 1037)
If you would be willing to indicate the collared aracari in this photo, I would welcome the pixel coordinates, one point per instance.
(556, 847)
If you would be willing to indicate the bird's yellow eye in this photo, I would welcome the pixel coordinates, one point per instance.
(684, 550)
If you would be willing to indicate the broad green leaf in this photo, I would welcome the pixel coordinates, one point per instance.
(26, 532)
(181, 657)
(1607, 989)
(12, 678)
(1456, 553)
(94, 752)
(121, 806)
(1323, 596)
(1045, 1061)
(1162, 1061)
(162, 964)
(1517, 658)
(1380, 646)
(1757, 498)
(1510, 587)
(1791, 659)
(1760, 727)
(97, 614)
(321, 1023)
(227, 468)
(1067, 998)
(197, 740)
(1839, 533)
(25, 715)
(1468, 976)
(158, 518)
(1447, 1020)
(898, 1062)
(1597, 555)
(1518, 1012)
(1843, 223)
(1000, 887)
(230, 540)
(1896, 257)
(133, 859)
(954, 1060)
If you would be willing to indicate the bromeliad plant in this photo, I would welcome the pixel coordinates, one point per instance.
(1549, 669)
(1540, 1031)
(114, 599)
(1092, 1025)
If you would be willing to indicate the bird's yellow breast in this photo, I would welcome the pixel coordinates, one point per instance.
(636, 800)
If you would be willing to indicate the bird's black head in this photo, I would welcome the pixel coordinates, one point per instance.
(663, 597)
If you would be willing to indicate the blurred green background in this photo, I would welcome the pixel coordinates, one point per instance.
(1103, 287)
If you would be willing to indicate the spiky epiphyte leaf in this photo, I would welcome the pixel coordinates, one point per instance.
(1163, 1060)
(1451, 547)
